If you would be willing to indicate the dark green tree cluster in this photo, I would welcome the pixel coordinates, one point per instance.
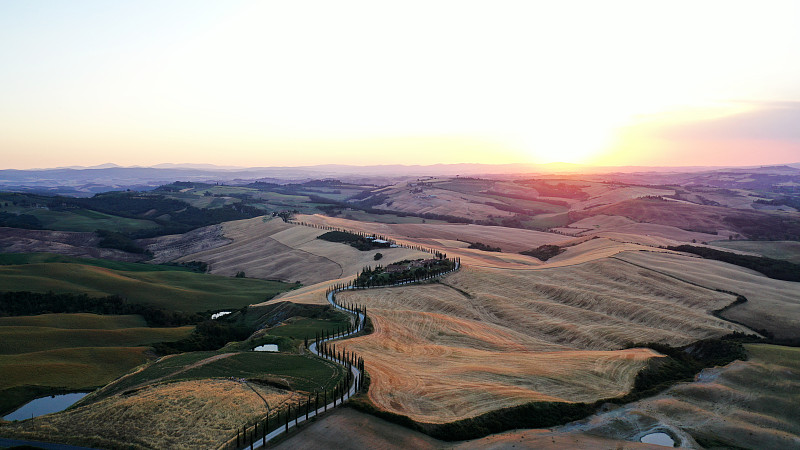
(544, 252)
(26, 221)
(484, 247)
(119, 241)
(24, 303)
(773, 268)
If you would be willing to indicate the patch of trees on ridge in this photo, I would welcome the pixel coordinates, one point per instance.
(26, 221)
(403, 271)
(544, 252)
(357, 241)
(482, 246)
(773, 268)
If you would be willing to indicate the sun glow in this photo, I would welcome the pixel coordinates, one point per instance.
(264, 83)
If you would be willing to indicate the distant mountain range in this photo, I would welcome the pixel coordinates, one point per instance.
(78, 180)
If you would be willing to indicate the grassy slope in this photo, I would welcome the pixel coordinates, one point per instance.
(305, 327)
(157, 417)
(26, 339)
(27, 375)
(75, 321)
(41, 258)
(71, 351)
(81, 220)
(788, 250)
(301, 372)
(174, 290)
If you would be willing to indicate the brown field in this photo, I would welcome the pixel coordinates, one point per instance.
(596, 225)
(72, 243)
(273, 249)
(746, 404)
(703, 219)
(508, 239)
(489, 338)
(172, 247)
(347, 428)
(157, 417)
(773, 305)
(441, 201)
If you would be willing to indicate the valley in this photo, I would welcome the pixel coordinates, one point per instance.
(592, 319)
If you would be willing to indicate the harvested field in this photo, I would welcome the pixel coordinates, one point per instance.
(441, 201)
(508, 239)
(746, 404)
(349, 429)
(773, 305)
(172, 247)
(156, 417)
(73, 243)
(273, 249)
(622, 225)
(488, 338)
(607, 195)
(703, 219)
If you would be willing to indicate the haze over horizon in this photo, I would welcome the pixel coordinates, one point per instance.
(250, 84)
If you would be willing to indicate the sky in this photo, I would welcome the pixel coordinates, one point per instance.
(416, 82)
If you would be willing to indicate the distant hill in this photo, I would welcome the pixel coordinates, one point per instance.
(82, 181)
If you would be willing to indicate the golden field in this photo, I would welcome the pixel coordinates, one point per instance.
(483, 338)
(746, 404)
(185, 415)
(276, 250)
(773, 305)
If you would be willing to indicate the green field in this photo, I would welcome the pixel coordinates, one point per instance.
(38, 258)
(29, 375)
(82, 321)
(786, 250)
(28, 339)
(303, 327)
(54, 352)
(168, 289)
(202, 201)
(304, 373)
(80, 219)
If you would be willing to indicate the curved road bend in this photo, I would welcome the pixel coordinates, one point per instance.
(354, 370)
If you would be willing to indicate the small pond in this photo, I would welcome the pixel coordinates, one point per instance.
(266, 348)
(658, 439)
(45, 405)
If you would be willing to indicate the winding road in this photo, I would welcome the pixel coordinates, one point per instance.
(360, 319)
